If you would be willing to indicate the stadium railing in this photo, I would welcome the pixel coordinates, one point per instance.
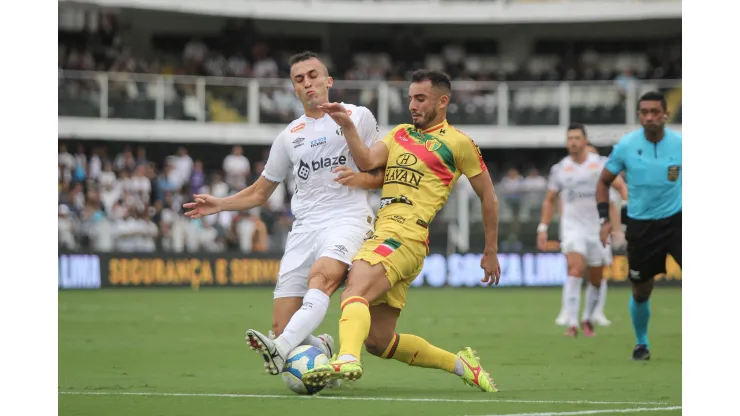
(155, 97)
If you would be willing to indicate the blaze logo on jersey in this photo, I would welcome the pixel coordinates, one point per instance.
(304, 169)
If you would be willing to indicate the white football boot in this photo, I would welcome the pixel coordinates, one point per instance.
(263, 345)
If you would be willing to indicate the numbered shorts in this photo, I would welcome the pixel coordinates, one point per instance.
(403, 260)
(587, 245)
(303, 249)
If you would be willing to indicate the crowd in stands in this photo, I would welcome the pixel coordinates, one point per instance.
(130, 203)
(238, 51)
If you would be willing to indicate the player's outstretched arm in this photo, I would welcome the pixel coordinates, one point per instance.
(368, 180)
(248, 198)
(483, 187)
(366, 158)
(548, 209)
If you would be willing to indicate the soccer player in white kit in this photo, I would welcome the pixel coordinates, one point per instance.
(574, 178)
(333, 215)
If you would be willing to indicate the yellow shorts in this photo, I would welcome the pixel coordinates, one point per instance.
(403, 260)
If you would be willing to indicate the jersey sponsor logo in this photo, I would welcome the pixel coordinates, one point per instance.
(673, 172)
(305, 169)
(432, 145)
(298, 142)
(399, 219)
(403, 176)
(318, 142)
(395, 200)
(298, 128)
(406, 159)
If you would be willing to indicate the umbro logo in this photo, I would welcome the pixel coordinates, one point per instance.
(298, 142)
(340, 249)
(634, 274)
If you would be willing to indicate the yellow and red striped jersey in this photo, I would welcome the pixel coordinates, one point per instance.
(422, 168)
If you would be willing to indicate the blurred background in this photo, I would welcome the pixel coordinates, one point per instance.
(158, 104)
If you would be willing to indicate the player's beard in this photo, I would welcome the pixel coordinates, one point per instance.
(653, 130)
(426, 121)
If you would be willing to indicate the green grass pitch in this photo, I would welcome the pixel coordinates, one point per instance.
(182, 352)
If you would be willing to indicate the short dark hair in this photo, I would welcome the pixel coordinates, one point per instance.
(578, 126)
(654, 96)
(303, 56)
(437, 78)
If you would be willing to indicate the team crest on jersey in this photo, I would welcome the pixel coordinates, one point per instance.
(433, 145)
(673, 172)
(298, 128)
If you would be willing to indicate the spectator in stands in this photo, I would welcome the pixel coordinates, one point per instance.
(264, 65)
(148, 232)
(66, 160)
(217, 188)
(198, 177)
(124, 160)
(623, 81)
(237, 169)
(249, 232)
(165, 183)
(183, 167)
(67, 228)
(141, 156)
(141, 186)
(95, 166)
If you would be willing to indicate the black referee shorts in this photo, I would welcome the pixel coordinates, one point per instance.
(648, 244)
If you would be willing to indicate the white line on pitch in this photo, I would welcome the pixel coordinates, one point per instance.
(593, 412)
(319, 397)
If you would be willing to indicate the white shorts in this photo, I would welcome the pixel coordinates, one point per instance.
(589, 246)
(304, 248)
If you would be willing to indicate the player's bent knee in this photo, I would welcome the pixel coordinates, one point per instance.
(376, 345)
(324, 281)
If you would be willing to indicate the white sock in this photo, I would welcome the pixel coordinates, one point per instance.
(592, 299)
(573, 301)
(348, 357)
(459, 369)
(304, 321)
(563, 308)
(599, 311)
(313, 341)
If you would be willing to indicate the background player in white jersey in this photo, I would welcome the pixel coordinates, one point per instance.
(574, 179)
(332, 218)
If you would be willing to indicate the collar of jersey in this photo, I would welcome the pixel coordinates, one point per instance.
(308, 119)
(439, 126)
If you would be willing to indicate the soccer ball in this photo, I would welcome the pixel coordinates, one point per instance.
(299, 361)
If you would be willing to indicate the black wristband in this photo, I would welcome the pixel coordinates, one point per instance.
(603, 208)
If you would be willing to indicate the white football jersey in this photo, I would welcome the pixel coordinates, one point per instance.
(576, 184)
(309, 149)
